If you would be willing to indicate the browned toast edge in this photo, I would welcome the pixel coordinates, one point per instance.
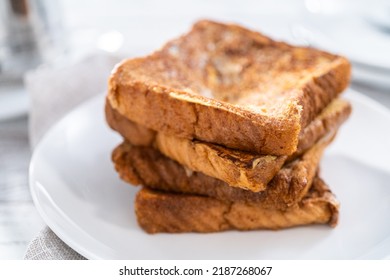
(190, 116)
(148, 167)
(178, 213)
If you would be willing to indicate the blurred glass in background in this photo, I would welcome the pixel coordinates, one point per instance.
(30, 34)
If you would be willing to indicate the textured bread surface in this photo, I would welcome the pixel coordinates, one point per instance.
(236, 168)
(224, 84)
(176, 213)
(147, 167)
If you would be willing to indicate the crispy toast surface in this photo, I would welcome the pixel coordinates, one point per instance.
(176, 213)
(147, 167)
(236, 168)
(225, 84)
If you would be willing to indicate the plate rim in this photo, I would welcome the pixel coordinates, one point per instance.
(314, 23)
(76, 246)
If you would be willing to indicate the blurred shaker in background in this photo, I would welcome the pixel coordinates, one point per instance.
(30, 34)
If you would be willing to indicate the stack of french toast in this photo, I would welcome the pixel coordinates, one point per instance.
(224, 128)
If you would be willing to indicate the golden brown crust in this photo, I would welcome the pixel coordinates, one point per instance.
(330, 119)
(163, 212)
(228, 85)
(236, 168)
(147, 167)
(322, 193)
(136, 134)
(166, 212)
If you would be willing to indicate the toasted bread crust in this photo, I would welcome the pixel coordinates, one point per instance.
(236, 168)
(227, 85)
(330, 119)
(176, 213)
(148, 167)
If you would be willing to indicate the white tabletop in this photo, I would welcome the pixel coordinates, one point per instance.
(19, 220)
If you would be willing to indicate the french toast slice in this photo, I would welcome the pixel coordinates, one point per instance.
(158, 211)
(148, 167)
(236, 168)
(224, 84)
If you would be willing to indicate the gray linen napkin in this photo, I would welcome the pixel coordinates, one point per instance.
(53, 92)
(47, 246)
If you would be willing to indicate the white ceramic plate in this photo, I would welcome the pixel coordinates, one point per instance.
(352, 36)
(81, 198)
(379, 16)
(368, 49)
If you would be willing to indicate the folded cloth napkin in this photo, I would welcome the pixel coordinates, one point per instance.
(53, 92)
(47, 246)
